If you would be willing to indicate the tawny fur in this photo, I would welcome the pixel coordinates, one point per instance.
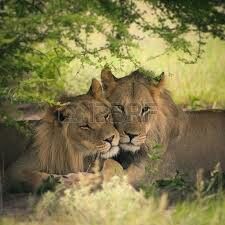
(67, 139)
(189, 140)
(54, 150)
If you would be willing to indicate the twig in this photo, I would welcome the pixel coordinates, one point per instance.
(161, 54)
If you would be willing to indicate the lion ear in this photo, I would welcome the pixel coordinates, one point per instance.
(56, 113)
(160, 80)
(158, 86)
(108, 80)
(60, 112)
(95, 89)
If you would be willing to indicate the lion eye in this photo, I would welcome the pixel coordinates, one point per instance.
(85, 127)
(120, 108)
(145, 110)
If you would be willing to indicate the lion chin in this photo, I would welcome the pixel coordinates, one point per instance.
(130, 147)
(113, 151)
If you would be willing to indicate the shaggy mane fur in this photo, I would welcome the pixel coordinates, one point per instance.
(54, 151)
(168, 122)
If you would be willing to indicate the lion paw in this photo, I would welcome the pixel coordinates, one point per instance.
(81, 179)
(111, 168)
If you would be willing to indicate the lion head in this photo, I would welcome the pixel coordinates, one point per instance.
(80, 127)
(141, 107)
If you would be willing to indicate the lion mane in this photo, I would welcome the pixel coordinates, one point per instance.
(54, 151)
(170, 117)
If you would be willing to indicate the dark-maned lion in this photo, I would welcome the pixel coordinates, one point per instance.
(66, 139)
(145, 115)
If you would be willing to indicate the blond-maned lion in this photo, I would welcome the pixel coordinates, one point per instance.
(145, 115)
(67, 140)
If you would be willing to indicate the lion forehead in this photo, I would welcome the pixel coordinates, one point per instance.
(87, 110)
(131, 92)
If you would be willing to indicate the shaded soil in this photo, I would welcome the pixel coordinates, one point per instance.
(18, 205)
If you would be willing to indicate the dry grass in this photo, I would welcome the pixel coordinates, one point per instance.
(117, 204)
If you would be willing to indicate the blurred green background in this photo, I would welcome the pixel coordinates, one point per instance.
(51, 47)
(199, 85)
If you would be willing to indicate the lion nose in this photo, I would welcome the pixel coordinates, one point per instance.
(110, 139)
(131, 136)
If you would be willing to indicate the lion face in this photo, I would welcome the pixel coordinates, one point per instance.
(86, 122)
(134, 107)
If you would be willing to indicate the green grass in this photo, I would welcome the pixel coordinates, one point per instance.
(194, 85)
(197, 84)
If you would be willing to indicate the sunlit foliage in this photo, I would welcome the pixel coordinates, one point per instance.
(38, 39)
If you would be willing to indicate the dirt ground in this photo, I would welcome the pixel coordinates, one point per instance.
(17, 205)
